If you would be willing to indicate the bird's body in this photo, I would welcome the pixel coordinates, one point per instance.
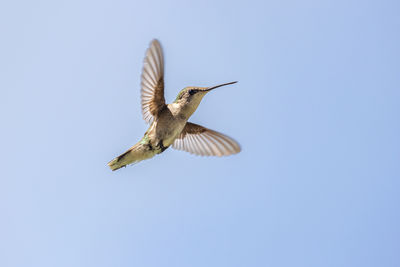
(168, 126)
(169, 122)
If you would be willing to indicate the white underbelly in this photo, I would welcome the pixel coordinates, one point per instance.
(173, 131)
(166, 132)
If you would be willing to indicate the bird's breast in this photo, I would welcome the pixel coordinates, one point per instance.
(166, 129)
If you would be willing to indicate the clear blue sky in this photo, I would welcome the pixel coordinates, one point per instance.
(316, 111)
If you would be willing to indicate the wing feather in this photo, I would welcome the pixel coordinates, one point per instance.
(152, 82)
(201, 141)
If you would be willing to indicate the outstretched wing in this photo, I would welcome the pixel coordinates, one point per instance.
(201, 141)
(152, 84)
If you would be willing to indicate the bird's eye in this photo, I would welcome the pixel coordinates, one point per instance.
(192, 92)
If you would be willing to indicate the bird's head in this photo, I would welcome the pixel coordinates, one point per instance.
(190, 97)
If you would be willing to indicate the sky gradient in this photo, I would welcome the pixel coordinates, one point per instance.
(316, 111)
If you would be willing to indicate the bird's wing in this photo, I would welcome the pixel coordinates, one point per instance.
(152, 84)
(201, 141)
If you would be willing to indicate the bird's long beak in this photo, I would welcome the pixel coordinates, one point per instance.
(213, 87)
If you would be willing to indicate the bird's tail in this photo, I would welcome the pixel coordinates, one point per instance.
(135, 154)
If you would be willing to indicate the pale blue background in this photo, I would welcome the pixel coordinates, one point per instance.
(316, 111)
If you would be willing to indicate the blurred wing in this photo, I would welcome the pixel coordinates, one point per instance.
(152, 84)
(201, 141)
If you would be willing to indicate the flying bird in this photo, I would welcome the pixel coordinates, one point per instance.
(169, 124)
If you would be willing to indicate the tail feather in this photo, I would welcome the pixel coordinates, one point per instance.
(135, 154)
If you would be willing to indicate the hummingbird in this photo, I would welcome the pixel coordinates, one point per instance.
(169, 124)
